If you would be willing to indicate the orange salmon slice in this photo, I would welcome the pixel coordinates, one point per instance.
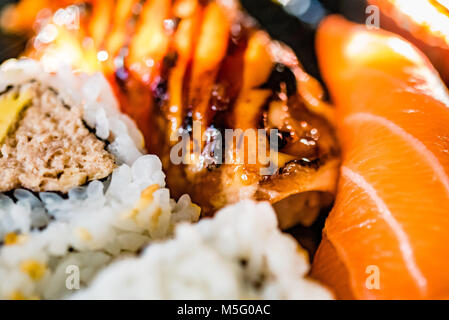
(388, 233)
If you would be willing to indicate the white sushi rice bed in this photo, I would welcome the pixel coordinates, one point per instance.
(238, 254)
(44, 237)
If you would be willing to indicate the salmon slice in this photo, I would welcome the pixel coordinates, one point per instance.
(425, 23)
(387, 235)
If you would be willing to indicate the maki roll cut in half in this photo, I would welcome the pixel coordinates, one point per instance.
(76, 189)
(46, 145)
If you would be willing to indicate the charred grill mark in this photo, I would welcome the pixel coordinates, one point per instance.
(314, 164)
(220, 100)
(223, 95)
(301, 134)
(87, 7)
(292, 165)
(231, 68)
(136, 13)
(187, 125)
(121, 76)
(204, 2)
(304, 162)
(229, 81)
(160, 87)
(160, 91)
(121, 72)
(169, 62)
(283, 138)
(185, 90)
(281, 74)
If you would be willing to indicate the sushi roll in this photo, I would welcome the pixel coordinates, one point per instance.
(76, 187)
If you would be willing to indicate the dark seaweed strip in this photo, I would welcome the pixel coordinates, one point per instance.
(7, 89)
(90, 129)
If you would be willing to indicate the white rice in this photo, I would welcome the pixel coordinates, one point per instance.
(239, 254)
(44, 237)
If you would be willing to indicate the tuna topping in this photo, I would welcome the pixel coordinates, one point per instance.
(45, 144)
